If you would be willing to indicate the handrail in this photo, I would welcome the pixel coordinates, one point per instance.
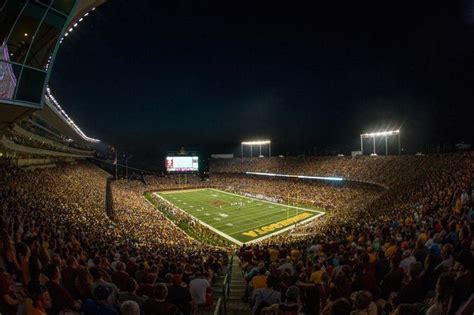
(225, 289)
(217, 311)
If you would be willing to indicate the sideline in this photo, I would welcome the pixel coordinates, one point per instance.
(229, 238)
(256, 240)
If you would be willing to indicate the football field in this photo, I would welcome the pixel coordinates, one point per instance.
(235, 217)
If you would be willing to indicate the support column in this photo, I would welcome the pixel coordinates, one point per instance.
(270, 149)
(250, 151)
(386, 146)
(361, 145)
(374, 143)
(241, 151)
(260, 150)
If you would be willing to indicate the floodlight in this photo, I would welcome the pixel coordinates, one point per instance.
(256, 142)
(385, 134)
(381, 133)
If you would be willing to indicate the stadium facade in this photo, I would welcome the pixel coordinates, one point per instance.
(31, 32)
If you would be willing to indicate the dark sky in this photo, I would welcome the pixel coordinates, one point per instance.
(150, 75)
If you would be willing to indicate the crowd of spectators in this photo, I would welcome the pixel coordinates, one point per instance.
(62, 254)
(402, 244)
(309, 193)
(133, 209)
(49, 145)
(409, 251)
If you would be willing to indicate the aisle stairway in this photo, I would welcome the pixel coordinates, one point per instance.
(235, 305)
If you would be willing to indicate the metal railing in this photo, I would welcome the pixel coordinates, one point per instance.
(221, 306)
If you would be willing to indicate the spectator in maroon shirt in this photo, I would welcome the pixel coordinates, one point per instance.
(341, 287)
(61, 299)
(69, 275)
(120, 277)
(393, 281)
(148, 287)
(132, 266)
(463, 282)
(364, 280)
(413, 291)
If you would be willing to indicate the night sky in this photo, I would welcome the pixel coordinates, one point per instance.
(148, 75)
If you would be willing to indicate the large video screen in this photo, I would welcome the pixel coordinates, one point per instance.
(182, 163)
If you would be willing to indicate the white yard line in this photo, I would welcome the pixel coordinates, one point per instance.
(285, 229)
(261, 200)
(167, 192)
(230, 238)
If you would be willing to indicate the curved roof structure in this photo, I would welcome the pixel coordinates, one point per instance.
(30, 35)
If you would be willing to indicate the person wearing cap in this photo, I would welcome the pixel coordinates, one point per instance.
(102, 303)
(98, 281)
(179, 295)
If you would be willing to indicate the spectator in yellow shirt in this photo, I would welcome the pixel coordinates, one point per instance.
(316, 274)
(260, 280)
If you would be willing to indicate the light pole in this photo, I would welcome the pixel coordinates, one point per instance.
(380, 134)
(374, 144)
(252, 143)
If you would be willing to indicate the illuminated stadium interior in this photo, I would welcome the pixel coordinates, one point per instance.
(88, 229)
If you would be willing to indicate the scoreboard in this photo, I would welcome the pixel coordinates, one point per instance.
(182, 163)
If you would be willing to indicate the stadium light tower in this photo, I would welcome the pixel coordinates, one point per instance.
(385, 134)
(259, 143)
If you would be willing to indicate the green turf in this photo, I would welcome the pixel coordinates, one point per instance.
(239, 218)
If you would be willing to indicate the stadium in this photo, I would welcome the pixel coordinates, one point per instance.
(379, 231)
